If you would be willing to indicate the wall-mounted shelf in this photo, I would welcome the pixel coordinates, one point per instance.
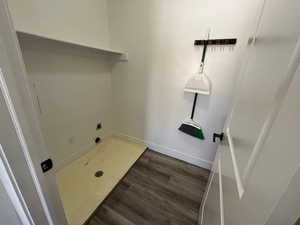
(34, 40)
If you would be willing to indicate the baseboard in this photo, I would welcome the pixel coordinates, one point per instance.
(156, 147)
(169, 151)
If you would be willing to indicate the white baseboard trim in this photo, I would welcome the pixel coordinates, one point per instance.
(169, 151)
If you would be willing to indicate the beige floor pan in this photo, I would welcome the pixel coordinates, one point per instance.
(81, 192)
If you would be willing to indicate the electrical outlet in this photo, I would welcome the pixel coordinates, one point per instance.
(99, 126)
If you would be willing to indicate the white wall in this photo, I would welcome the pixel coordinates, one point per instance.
(74, 89)
(148, 96)
(149, 102)
(83, 22)
(287, 210)
(73, 84)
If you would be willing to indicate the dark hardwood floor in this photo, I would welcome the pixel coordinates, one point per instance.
(157, 190)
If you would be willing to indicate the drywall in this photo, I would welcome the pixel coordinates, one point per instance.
(149, 101)
(82, 22)
(73, 86)
(7, 213)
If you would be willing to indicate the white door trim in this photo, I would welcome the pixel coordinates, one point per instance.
(207, 190)
(18, 129)
(10, 184)
(239, 182)
(43, 199)
(221, 192)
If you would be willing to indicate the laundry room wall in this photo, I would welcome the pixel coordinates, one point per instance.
(72, 91)
(71, 85)
(149, 102)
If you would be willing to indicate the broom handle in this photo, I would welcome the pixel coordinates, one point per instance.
(194, 105)
(203, 58)
(196, 94)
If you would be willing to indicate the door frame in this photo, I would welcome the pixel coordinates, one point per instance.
(39, 194)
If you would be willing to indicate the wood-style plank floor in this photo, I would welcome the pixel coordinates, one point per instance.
(157, 190)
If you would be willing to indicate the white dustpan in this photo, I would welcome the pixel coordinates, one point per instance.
(199, 83)
(192, 123)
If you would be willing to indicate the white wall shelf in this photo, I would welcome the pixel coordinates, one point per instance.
(83, 23)
(34, 39)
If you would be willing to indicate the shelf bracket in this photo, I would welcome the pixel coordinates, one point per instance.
(124, 57)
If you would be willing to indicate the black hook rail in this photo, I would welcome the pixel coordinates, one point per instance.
(224, 41)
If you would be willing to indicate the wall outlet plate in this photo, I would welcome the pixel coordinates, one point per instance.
(47, 165)
(99, 126)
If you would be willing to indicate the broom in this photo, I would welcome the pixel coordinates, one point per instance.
(190, 126)
(199, 84)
